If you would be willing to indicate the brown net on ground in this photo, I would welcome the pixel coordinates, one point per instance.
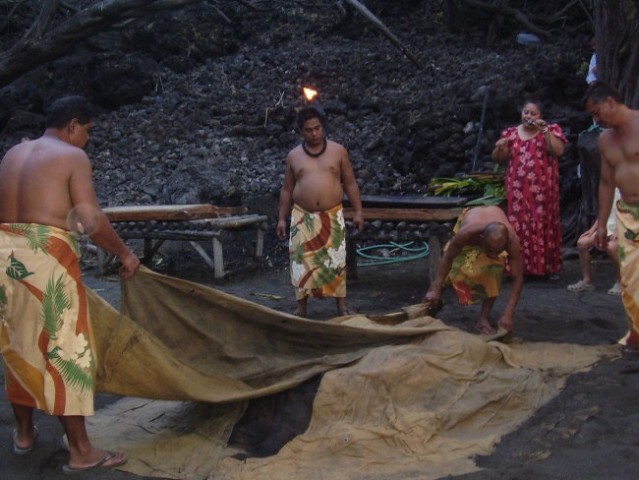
(355, 397)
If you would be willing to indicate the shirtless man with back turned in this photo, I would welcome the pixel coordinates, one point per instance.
(619, 149)
(46, 193)
(474, 261)
(317, 173)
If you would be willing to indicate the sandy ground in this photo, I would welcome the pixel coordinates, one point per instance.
(587, 432)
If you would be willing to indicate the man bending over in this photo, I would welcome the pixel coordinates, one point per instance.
(474, 261)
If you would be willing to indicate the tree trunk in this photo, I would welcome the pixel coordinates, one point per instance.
(617, 33)
(40, 44)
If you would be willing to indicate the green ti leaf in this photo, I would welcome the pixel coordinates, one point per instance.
(54, 303)
(37, 235)
(16, 269)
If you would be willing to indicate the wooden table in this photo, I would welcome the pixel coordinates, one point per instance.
(193, 223)
(391, 208)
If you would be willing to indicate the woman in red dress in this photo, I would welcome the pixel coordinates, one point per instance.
(532, 150)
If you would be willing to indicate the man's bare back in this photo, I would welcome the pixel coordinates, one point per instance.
(49, 181)
(34, 181)
(484, 216)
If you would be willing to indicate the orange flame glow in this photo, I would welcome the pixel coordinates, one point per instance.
(309, 93)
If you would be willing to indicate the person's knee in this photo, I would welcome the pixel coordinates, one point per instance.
(585, 243)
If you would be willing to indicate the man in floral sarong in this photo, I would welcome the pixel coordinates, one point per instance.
(474, 261)
(619, 149)
(317, 173)
(46, 194)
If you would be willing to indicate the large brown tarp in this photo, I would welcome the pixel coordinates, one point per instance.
(402, 395)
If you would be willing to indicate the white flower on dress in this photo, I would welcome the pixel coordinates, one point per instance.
(297, 271)
(72, 347)
(338, 258)
(85, 359)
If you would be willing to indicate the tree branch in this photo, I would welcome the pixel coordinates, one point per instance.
(382, 28)
(39, 46)
(43, 20)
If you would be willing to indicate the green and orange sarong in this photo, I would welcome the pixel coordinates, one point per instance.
(45, 338)
(473, 274)
(628, 241)
(317, 251)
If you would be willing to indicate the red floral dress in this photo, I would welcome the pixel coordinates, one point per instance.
(532, 187)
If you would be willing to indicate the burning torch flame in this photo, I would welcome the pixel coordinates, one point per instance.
(310, 94)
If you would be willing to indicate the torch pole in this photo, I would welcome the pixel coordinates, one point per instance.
(480, 132)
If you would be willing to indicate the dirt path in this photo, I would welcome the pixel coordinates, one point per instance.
(586, 432)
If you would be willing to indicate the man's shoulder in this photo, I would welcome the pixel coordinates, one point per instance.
(337, 150)
(607, 137)
(296, 150)
(334, 144)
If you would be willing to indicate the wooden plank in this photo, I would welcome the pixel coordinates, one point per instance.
(200, 228)
(231, 222)
(407, 214)
(143, 213)
(409, 201)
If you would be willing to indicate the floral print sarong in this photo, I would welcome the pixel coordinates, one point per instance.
(45, 338)
(628, 241)
(317, 251)
(473, 274)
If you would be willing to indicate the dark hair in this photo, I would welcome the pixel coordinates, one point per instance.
(307, 113)
(64, 109)
(536, 102)
(598, 92)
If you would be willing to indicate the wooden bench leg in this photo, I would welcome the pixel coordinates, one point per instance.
(218, 257)
(102, 260)
(434, 256)
(351, 259)
(150, 249)
(259, 243)
(213, 263)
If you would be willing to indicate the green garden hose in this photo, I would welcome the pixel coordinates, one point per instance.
(415, 253)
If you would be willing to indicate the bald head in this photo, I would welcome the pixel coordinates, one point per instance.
(495, 238)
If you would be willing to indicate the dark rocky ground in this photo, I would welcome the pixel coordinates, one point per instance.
(587, 432)
(196, 107)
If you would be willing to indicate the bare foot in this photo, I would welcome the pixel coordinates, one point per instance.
(506, 325)
(484, 327)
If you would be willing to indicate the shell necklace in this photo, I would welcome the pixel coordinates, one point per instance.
(315, 155)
